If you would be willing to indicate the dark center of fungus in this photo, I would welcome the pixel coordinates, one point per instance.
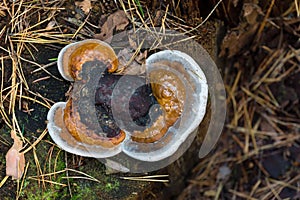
(97, 82)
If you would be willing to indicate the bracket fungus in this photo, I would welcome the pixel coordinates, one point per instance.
(144, 117)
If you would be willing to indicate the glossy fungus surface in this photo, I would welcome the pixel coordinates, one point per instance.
(146, 117)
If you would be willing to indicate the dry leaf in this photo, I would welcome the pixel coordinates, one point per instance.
(84, 5)
(132, 43)
(131, 66)
(251, 12)
(141, 57)
(120, 20)
(50, 25)
(158, 18)
(116, 21)
(15, 161)
(234, 42)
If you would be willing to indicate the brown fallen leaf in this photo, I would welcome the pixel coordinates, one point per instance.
(234, 42)
(84, 5)
(251, 12)
(116, 21)
(129, 64)
(15, 161)
(50, 25)
(158, 18)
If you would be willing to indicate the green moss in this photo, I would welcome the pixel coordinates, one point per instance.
(38, 193)
(80, 188)
(81, 192)
(2, 163)
(114, 185)
(33, 189)
(109, 187)
(5, 135)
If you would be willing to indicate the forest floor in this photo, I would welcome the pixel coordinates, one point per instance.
(256, 46)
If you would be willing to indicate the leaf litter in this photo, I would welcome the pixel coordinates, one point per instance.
(15, 161)
(84, 5)
(262, 121)
(116, 21)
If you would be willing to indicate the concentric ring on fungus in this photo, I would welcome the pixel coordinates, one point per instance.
(73, 59)
(169, 74)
